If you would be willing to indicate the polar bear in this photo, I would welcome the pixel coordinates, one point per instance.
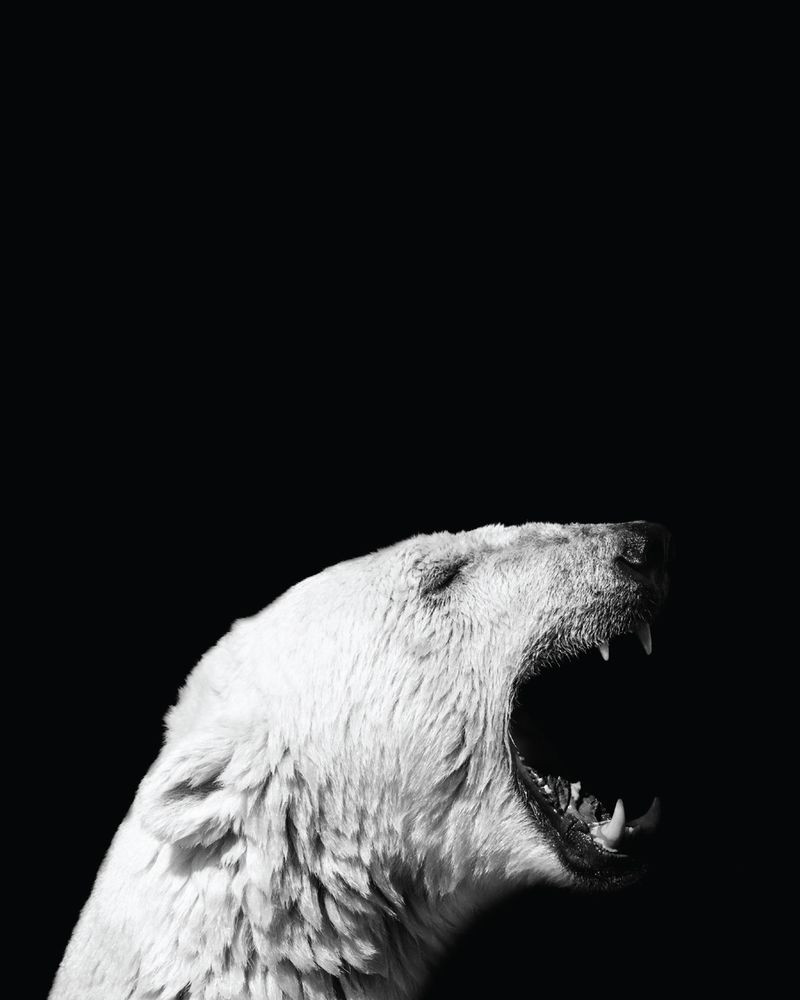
(348, 776)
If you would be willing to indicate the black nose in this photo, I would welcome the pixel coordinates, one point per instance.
(646, 547)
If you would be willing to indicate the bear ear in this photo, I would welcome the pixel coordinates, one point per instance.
(185, 799)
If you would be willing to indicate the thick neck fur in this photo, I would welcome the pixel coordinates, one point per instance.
(325, 881)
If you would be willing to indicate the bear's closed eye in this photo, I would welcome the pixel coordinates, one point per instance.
(441, 576)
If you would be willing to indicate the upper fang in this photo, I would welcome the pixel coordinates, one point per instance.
(605, 652)
(643, 631)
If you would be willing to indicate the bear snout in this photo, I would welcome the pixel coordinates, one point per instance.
(644, 551)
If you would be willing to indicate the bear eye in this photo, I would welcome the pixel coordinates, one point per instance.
(439, 577)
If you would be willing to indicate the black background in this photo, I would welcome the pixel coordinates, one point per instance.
(275, 353)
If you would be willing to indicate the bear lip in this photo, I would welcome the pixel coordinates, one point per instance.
(597, 844)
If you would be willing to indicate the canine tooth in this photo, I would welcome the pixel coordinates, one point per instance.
(643, 631)
(605, 652)
(612, 832)
(649, 822)
(616, 825)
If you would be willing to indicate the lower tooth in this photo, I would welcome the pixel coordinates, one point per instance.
(649, 822)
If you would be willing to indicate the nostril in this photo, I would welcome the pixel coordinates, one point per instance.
(628, 565)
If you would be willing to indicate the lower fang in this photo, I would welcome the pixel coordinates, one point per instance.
(649, 822)
(611, 833)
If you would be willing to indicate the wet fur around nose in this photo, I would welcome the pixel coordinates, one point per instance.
(333, 799)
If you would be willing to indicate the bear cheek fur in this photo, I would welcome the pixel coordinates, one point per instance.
(440, 709)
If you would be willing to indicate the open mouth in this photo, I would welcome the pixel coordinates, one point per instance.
(586, 746)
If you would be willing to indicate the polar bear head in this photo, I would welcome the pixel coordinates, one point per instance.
(356, 766)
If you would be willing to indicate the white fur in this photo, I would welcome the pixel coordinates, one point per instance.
(333, 798)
